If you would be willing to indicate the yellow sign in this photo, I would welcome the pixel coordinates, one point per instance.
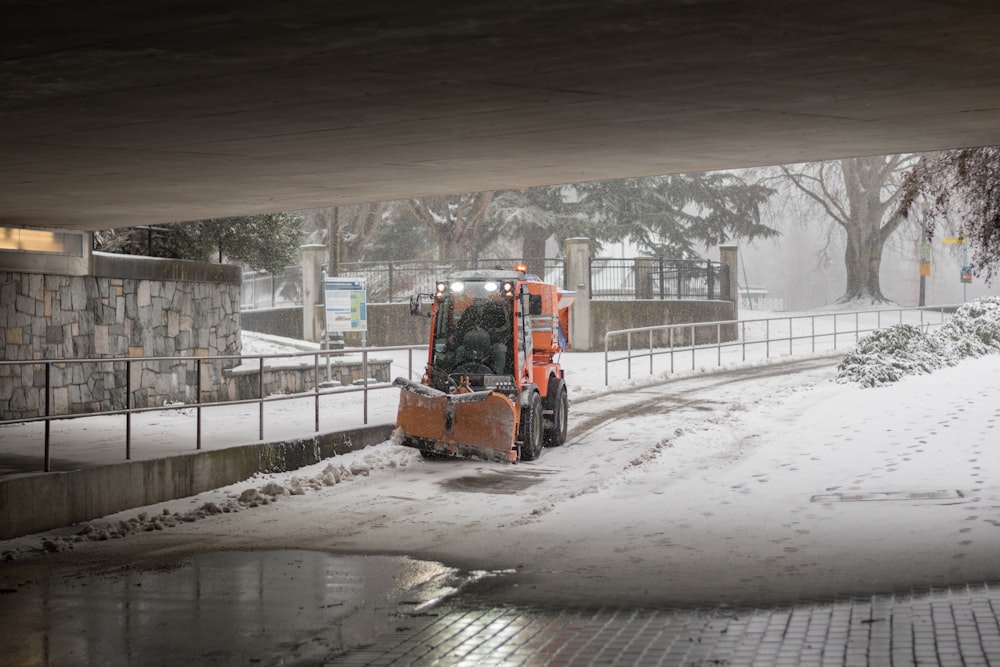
(925, 268)
(953, 239)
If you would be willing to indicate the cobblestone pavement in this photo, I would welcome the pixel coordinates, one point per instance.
(956, 626)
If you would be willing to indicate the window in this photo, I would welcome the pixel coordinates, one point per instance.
(21, 239)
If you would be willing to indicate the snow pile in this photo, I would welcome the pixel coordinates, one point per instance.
(888, 355)
(312, 478)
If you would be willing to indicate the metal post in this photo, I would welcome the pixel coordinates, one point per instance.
(767, 339)
(711, 282)
(718, 344)
(650, 351)
(743, 337)
(260, 394)
(316, 386)
(812, 320)
(48, 422)
(128, 409)
(671, 350)
(390, 283)
(197, 369)
(790, 338)
(692, 348)
(605, 360)
(857, 325)
(628, 338)
(364, 370)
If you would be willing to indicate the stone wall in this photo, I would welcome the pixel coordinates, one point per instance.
(608, 316)
(286, 322)
(128, 307)
(295, 379)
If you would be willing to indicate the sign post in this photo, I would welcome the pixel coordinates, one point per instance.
(346, 308)
(965, 273)
(346, 305)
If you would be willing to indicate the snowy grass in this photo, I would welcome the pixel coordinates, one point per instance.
(890, 354)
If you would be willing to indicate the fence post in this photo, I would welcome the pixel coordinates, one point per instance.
(391, 291)
(128, 409)
(711, 281)
(659, 263)
(260, 395)
(197, 399)
(692, 348)
(48, 411)
(650, 351)
(364, 370)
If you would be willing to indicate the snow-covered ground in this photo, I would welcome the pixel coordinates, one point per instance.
(760, 481)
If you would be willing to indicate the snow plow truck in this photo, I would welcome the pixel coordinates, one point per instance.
(493, 388)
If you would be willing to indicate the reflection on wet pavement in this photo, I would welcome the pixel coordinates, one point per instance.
(261, 607)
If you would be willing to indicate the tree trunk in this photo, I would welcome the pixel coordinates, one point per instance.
(533, 248)
(863, 261)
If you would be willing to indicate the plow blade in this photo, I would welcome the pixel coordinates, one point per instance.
(479, 424)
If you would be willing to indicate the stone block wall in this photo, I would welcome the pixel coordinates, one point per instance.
(291, 380)
(176, 310)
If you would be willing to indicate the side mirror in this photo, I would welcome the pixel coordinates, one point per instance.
(415, 306)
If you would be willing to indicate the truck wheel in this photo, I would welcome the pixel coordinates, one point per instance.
(531, 428)
(555, 431)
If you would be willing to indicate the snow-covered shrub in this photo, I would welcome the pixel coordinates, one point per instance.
(974, 329)
(889, 354)
(886, 355)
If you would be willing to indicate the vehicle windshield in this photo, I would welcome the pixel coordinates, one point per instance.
(473, 329)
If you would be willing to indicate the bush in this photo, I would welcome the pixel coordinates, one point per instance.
(888, 355)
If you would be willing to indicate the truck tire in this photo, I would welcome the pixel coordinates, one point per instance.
(531, 428)
(558, 403)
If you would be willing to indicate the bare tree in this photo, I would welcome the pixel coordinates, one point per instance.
(453, 220)
(349, 230)
(862, 197)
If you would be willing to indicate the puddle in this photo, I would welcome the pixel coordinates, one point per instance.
(504, 483)
(259, 607)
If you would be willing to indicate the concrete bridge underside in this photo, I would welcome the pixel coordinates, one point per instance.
(117, 113)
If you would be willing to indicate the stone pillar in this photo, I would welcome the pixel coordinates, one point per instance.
(312, 289)
(729, 254)
(578, 280)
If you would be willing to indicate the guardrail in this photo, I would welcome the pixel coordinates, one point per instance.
(759, 334)
(199, 405)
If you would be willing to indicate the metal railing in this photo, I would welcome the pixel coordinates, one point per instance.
(200, 405)
(658, 278)
(805, 331)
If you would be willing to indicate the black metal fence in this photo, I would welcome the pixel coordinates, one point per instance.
(387, 282)
(610, 278)
(657, 278)
(271, 290)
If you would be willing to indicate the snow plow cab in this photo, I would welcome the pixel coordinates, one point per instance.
(493, 388)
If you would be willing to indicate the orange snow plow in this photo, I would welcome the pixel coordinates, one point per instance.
(492, 388)
(476, 424)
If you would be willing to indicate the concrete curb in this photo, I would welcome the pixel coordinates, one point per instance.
(35, 503)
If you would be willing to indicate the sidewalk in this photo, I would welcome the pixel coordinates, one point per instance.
(956, 626)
